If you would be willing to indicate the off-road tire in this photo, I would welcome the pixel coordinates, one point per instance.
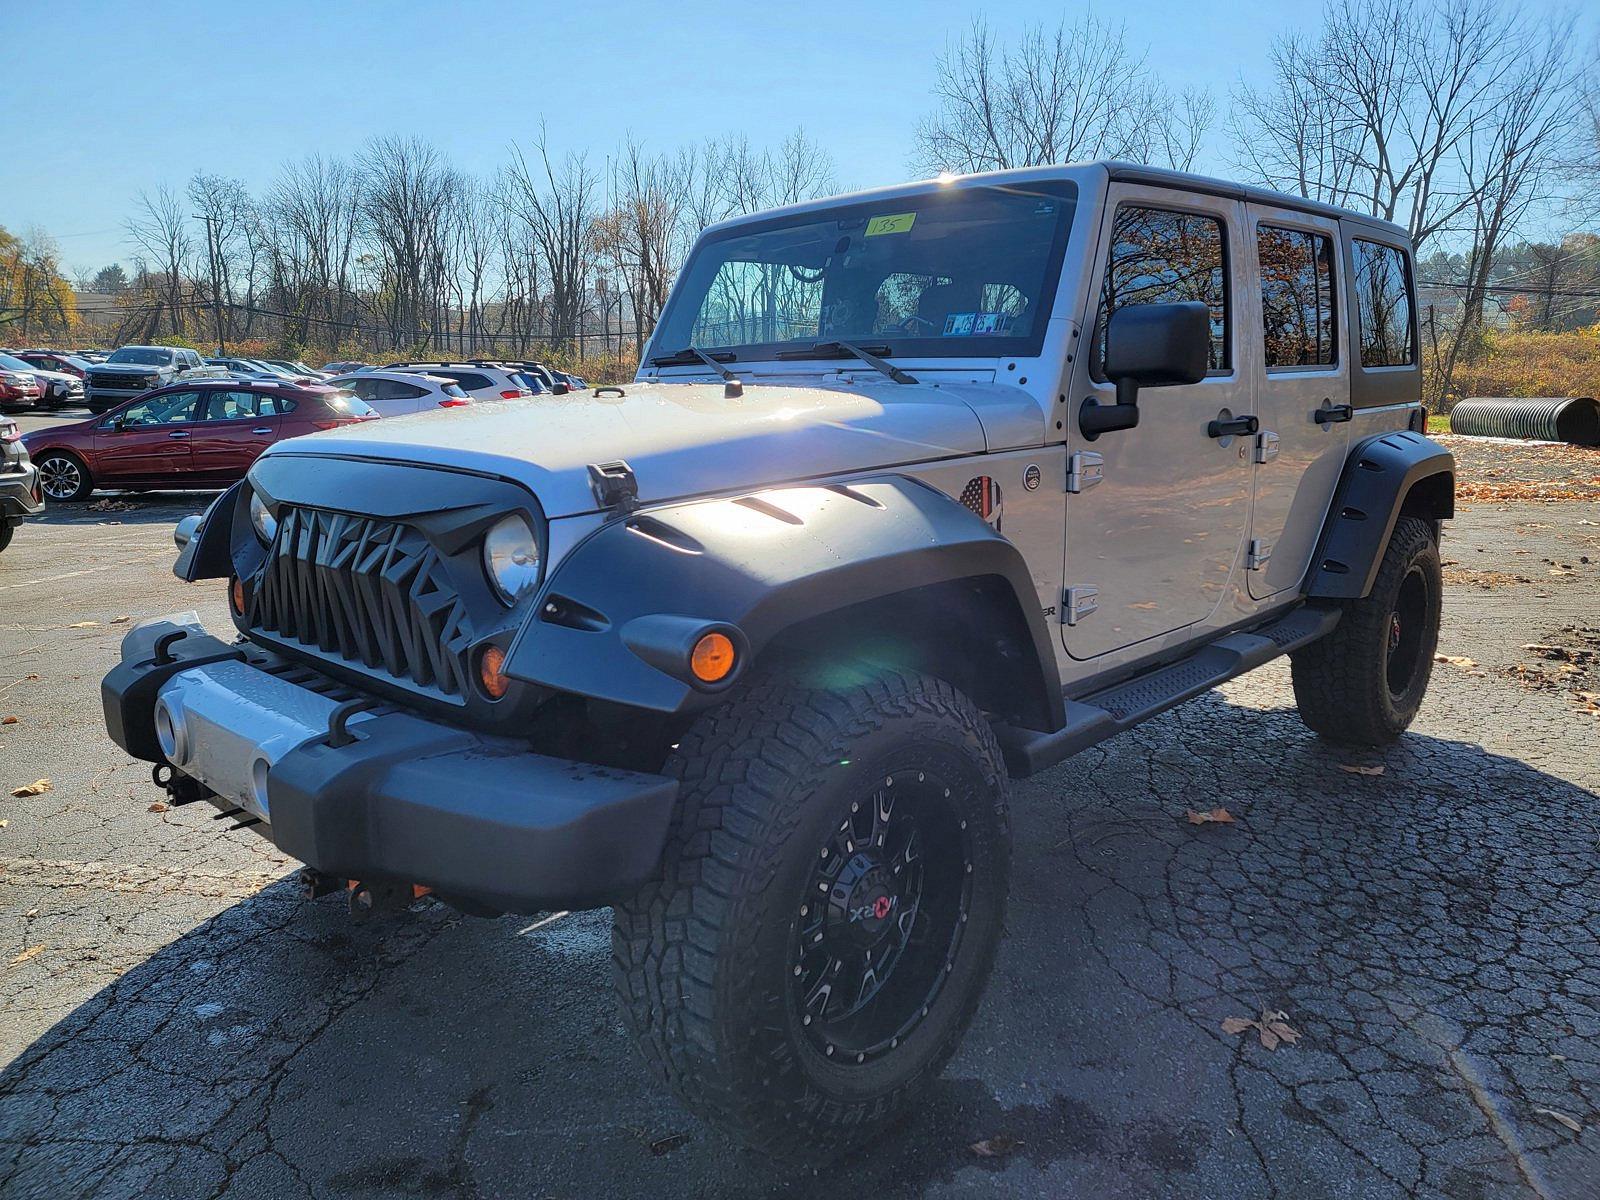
(1343, 682)
(85, 482)
(6, 530)
(704, 957)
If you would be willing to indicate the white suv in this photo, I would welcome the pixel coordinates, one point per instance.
(396, 393)
(916, 491)
(480, 380)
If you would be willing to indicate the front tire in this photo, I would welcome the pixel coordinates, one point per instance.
(64, 477)
(1363, 684)
(830, 907)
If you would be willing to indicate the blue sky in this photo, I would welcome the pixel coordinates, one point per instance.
(117, 97)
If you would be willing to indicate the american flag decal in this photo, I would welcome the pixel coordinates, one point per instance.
(982, 496)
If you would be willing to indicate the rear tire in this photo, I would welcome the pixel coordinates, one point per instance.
(64, 477)
(6, 530)
(850, 839)
(1363, 684)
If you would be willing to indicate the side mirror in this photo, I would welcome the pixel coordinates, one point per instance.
(187, 530)
(119, 423)
(1148, 345)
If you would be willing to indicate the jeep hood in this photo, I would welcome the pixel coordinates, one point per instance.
(684, 439)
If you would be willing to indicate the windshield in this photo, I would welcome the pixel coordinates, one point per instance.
(15, 364)
(956, 272)
(143, 356)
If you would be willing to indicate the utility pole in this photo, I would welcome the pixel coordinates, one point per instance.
(216, 284)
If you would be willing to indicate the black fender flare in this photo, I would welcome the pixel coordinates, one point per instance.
(1385, 475)
(629, 599)
(209, 554)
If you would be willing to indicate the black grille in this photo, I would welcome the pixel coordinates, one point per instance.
(371, 592)
(120, 383)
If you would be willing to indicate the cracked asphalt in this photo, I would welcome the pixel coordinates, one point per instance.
(175, 1023)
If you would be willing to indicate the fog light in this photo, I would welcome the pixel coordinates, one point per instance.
(491, 672)
(712, 659)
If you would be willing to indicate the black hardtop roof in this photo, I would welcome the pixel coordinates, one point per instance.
(1126, 172)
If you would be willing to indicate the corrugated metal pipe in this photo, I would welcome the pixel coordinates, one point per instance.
(1574, 419)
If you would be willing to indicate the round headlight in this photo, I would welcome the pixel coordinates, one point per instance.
(266, 525)
(511, 558)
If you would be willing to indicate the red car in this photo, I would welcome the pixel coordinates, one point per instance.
(187, 435)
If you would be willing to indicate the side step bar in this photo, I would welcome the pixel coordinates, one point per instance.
(1120, 707)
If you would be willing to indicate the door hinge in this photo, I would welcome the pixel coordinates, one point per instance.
(1078, 603)
(1266, 446)
(1260, 553)
(1084, 469)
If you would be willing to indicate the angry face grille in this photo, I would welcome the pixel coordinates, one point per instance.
(373, 593)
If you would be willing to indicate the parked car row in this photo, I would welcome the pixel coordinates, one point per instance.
(29, 380)
(197, 433)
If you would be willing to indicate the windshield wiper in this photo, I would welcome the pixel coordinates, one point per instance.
(840, 349)
(693, 354)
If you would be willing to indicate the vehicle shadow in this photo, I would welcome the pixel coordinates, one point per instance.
(1432, 934)
(127, 508)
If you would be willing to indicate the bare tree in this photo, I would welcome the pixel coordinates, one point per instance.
(1075, 92)
(160, 229)
(405, 197)
(556, 205)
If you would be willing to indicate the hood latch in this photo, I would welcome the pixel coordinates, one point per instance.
(614, 485)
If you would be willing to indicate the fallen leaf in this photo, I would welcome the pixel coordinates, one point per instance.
(1272, 1028)
(26, 955)
(32, 912)
(1217, 816)
(1455, 660)
(37, 788)
(1570, 1122)
(83, 624)
(3, 824)
(994, 1147)
(8, 720)
(157, 807)
(1358, 769)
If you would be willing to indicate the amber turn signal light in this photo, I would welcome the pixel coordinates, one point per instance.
(713, 658)
(492, 672)
(236, 595)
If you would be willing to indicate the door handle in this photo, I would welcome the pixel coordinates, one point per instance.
(1333, 415)
(179, 433)
(263, 429)
(1233, 427)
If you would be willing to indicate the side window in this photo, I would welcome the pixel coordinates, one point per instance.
(1297, 306)
(468, 380)
(273, 406)
(393, 389)
(229, 406)
(1164, 257)
(1383, 296)
(169, 408)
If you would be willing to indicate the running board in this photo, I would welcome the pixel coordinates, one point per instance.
(1118, 708)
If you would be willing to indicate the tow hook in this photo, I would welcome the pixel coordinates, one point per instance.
(373, 899)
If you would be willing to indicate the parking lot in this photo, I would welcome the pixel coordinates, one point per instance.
(1427, 920)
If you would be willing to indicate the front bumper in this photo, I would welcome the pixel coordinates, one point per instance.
(20, 495)
(394, 797)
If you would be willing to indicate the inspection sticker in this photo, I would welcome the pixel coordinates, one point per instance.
(891, 223)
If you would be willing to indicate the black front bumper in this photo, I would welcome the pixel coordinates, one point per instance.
(408, 800)
(20, 495)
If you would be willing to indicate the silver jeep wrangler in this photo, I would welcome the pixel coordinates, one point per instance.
(916, 491)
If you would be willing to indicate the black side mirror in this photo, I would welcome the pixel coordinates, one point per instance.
(1148, 345)
(119, 423)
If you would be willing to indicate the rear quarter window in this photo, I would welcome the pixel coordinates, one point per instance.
(1386, 310)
